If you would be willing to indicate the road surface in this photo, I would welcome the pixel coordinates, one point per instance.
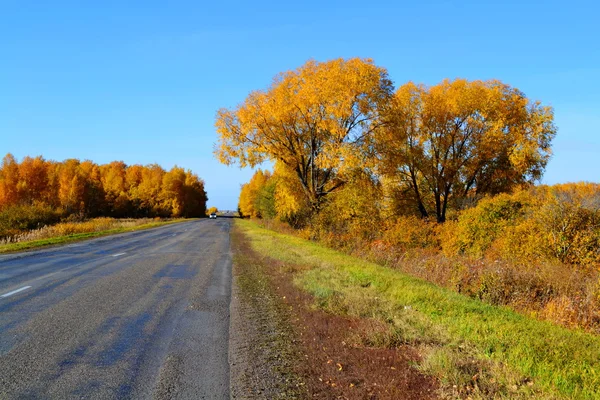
(137, 315)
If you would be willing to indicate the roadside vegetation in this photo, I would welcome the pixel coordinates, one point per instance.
(536, 250)
(41, 199)
(437, 181)
(67, 232)
(474, 349)
(440, 182)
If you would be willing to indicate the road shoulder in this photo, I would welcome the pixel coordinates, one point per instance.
(288, 348)
(262, 351)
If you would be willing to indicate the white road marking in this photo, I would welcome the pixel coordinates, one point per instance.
(15, 291)
(118, 254)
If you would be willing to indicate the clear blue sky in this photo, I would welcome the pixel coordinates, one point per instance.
(141, 81)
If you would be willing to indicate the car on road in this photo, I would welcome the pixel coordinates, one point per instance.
(213, 215)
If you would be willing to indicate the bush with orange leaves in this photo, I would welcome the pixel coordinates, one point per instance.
(556, 223)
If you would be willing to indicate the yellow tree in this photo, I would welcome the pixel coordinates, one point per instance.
(245, 203)
(114, 182)
(133, 179)
(291, 205)
(212, 210)
(94, 198)
(51, 195)
(33, 180)
(71, 191)
(9, 181)
(314, 120)
(249, 194)
(147, 192)
(462, 138)
(173, 191)
(194, 196)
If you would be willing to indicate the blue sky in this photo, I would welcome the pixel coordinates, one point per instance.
(141, 81)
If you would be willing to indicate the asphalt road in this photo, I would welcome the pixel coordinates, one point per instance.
(137, 315)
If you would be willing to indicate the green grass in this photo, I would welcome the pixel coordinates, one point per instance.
(492, 351)
(20, 246)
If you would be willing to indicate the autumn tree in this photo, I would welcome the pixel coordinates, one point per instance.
(194, 201)
(460, 139)
(33, 180)
(291, 205)
(183, 193)
(51, 195)
(353, 212)
(40, 190)
(212, 210)
(9, 181)
(172, 192)
(250, 192)
(71, 189)
(314, 120)
(147, 192)
(94, 194)
(115, 187)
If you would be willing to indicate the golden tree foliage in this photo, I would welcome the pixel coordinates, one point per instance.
(290, 202)
(462, 138)
(33, 179)
(9, 180)
(212, 210)
(313, 120)
(147, 192)
(86, 189)
(250, 192)
(559, 222)
(183, 193)
(115, 188)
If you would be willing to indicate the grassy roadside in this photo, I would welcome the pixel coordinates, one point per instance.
(281, 347)
(77, 237)
(474, 349)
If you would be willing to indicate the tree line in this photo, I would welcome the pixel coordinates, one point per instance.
(332, 126)
(85, 189)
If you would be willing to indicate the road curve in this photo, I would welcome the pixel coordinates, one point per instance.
(137, 315)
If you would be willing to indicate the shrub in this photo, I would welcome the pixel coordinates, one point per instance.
(478, 227)
(570, 218)
(19, 218)
(412, 232)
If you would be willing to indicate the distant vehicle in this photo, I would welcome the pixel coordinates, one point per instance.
(213, 215)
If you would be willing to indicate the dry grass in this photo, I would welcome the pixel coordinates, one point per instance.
(72, 228)
(547, 290)
(66, 232)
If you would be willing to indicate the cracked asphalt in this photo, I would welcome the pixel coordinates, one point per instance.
(137, 315)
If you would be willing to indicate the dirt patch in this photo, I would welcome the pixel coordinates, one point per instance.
(324, 352)
(338, 365)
